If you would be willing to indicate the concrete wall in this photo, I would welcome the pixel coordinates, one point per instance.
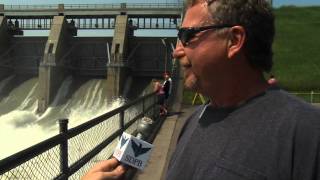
(4, 36)
(90, 56)
(148, 55)
(26, 54)
(4, 47)
(51, 72)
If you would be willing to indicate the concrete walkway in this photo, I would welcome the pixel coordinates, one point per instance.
(164, 145)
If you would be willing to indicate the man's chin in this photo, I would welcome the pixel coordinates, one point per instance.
(190, 86)
(191, 82)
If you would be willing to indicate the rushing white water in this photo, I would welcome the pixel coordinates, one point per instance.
(76, 100)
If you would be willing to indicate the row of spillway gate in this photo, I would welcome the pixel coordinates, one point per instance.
(61, 54)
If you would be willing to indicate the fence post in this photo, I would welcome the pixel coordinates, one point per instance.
(155, 105)
(121, 121)
(63, 129)
(143, 106)
(311, 97)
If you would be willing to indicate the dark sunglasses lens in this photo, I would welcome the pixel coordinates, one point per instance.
(181, 35)
(185, 35)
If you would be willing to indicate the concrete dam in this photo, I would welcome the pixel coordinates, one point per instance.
(43, 79)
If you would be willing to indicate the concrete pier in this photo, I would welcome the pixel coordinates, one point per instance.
(51, 72)
(5, 38)
(117, 68)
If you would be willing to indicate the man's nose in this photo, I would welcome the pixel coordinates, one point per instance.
(179, 51)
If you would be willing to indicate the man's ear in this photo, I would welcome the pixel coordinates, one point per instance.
(237, 36)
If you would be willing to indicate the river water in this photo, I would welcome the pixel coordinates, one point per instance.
(21, 126)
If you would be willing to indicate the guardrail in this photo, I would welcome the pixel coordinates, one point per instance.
(95, 6)
(92, 6)
(30, 7)
(71, 153)
(311, 97)
(154, 5)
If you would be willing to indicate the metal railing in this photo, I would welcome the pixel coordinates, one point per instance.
(72, 152)
(92, 6)
(31, 7)
(311, 97)
(95, 6)
(154, 5)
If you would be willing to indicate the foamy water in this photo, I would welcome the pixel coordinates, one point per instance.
(23, 127)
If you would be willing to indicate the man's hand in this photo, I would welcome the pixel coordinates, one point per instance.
(105, 170)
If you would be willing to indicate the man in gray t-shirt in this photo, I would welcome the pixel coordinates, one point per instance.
(250, 130)
(270, 136)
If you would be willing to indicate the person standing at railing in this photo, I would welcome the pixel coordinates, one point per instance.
(16, 24)
(159, 89)
(10, 25)
(167, 85)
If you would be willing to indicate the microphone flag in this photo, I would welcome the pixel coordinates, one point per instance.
(133, 151)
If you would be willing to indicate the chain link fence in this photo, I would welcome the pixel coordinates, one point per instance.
(43, 166)
(72, 152)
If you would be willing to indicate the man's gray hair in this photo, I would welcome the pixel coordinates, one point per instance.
(258, 20)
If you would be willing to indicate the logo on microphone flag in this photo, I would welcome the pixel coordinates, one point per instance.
(123, 140)
(138, 149)
(133, 151)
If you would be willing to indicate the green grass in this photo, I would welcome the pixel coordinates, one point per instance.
(188, 97)
(305, 95)
(297, 48)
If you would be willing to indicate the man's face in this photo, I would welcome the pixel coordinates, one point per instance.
(204, 57)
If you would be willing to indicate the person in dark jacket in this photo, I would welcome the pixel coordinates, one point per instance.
(167, 85)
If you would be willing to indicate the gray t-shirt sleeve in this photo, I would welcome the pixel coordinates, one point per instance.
(306, 160)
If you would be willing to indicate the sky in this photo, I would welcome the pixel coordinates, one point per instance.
(276, 3)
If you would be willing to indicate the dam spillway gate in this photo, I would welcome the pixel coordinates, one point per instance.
(118, 58)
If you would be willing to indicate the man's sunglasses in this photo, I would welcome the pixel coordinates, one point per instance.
(186, 34)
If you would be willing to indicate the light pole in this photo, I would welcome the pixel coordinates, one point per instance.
(163, 40)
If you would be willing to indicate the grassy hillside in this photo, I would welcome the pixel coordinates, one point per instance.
(297, 48)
